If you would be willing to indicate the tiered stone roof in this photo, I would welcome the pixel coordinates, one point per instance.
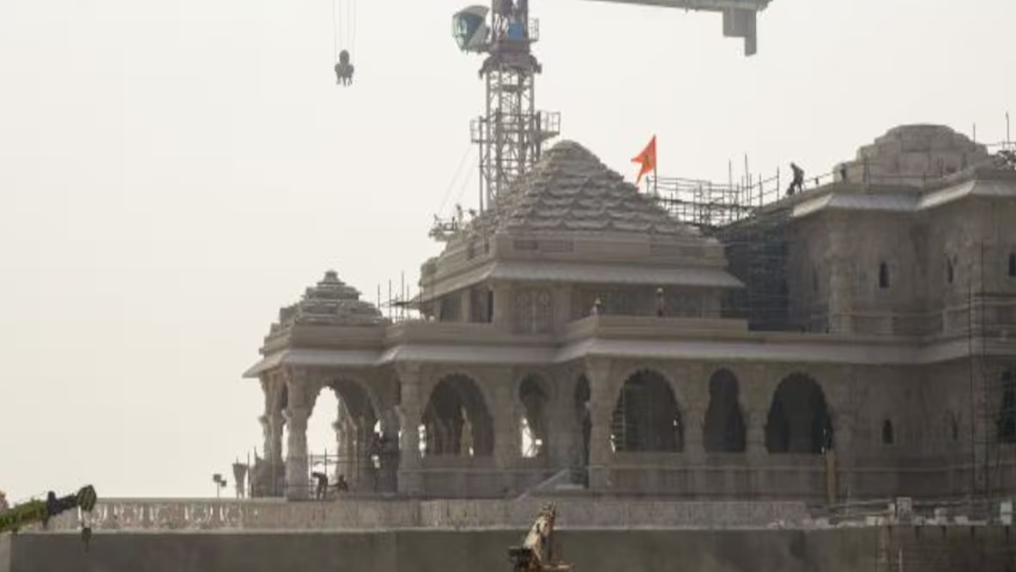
(330, 303)
(569, 189)
(914, 155)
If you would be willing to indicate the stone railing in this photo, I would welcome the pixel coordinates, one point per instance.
(349, 514)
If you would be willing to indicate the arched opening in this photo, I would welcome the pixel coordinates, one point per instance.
(345, 442)
(883, 275)
(456, 420)
(534, 422)
(725, 429)
(646, 417)
(1012, 265)
(950, 273)
(799, 420)
(888, 434)
(1007, 407)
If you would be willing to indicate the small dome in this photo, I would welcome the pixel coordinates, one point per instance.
(330, 303)
(913, 155)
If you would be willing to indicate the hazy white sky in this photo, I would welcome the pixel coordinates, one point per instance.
(172, 172)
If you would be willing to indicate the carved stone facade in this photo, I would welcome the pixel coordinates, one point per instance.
(578, 329)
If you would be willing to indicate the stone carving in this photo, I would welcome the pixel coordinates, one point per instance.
(330, 303)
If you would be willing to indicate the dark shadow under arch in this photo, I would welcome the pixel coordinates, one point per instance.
(455, 399)
(799, 420)
(647, 417)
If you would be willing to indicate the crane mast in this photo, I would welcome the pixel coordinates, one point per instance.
(511, 133)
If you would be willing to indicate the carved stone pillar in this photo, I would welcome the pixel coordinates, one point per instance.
(502, 305)
(297, 477)
(694, 435)
(841, 279)
(601, 409)
(564, 434)
(410, 410)
(756, 432)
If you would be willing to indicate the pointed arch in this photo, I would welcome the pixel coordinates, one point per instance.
(457, 420)
(799, 420)
(647, 417)
(725, 430)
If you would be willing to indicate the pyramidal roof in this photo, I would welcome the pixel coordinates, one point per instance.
(331, 303)
(569, 189)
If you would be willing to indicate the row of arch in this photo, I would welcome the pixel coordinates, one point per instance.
(646, 416)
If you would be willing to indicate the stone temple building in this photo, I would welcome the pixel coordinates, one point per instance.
(855, 340)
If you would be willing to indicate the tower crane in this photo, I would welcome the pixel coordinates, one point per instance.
(511, 133)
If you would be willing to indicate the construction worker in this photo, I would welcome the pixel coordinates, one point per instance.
(796, 185)
(660, 303)
(322, 484)
(341, 485)
(344, 69)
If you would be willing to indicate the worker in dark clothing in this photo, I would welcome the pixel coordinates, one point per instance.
(796, 185)
(322, 485)
(344, 69)
(341, 485)
(661, 303)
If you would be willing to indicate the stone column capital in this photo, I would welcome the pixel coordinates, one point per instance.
(409, 372)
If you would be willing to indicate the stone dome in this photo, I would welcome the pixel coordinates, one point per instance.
(329, 303)
(570, 189)
(913, 155)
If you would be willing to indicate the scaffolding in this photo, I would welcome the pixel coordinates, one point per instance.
(750, 219)
(400, 305)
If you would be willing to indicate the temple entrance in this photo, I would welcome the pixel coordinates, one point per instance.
(646, 417)
(725, 429)
(799, 420)
(456, 420)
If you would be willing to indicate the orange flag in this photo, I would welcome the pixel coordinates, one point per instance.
(647, 158)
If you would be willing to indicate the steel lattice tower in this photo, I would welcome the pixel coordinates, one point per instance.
(512, 132)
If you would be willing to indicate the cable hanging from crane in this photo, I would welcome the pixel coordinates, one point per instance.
(344, 32)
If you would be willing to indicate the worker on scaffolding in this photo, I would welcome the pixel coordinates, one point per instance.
(322, 484)
(661, 303)
(797, 184)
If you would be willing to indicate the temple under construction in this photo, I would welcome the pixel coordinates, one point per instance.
(852, 341)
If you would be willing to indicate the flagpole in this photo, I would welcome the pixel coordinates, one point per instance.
(656, 177)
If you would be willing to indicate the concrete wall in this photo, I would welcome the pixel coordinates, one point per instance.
(842, 550)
